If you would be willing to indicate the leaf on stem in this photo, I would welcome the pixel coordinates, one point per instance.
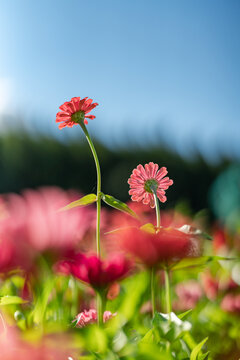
(182, 315)
(117, 204)
(11, 300)
(197, 349)
(84, 201)
(198, 261)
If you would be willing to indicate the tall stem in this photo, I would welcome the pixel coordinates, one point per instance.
(167, 292)
(153, 270)
(153, 296)
(101, 303)
(157, 209)
(98, 186)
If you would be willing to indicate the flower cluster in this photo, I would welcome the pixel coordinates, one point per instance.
(87, 317)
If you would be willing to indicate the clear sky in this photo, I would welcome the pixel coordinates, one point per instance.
(159, 69)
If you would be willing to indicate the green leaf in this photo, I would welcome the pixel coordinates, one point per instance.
(117, 204)
(11, 300)
(182, 315)
(148, 337)
(84, 201)
(197, 349)
(203, 356)
(198, 261)
(42, 301)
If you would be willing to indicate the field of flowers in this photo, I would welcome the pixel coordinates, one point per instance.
(80, 280)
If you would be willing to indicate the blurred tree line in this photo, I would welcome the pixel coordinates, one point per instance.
(30, 162)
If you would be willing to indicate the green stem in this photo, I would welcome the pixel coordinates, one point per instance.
(101, 302)
(98, 186)
(157, 209)
(153, 271)
(153, 296)
(167, 292)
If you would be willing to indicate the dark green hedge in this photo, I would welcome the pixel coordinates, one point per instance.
(27, 161)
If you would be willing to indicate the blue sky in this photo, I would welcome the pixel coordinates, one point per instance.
(160, 70)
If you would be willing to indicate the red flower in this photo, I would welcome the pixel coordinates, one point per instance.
(166, 245)
(74, 111)
(91, 270)
(144, 179)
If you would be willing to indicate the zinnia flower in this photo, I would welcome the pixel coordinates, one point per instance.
(33, 224)
(90, 316)
(34, 219)
(75, 111)
(144, 181)
(95, 272)
(164, 246)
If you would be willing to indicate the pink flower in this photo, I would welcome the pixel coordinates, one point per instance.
(86, 317)
(35, 219)
(144, 180)
(33, 224)
(74, 111)
(95, 272)
(56, 346)
(90, 316)
(165, 245)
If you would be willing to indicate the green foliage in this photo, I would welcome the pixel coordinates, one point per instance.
(84, 201)
(196, 351)
(11, 300)
(117, 204)
(197, 262)
(59, 164)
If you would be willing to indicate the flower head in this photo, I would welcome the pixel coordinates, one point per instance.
(156, 248)
(90, 316)
(34, 219)
(75, 111)
(95, 272)
(144, 181)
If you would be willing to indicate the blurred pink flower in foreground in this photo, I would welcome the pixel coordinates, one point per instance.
(152, 249)
(144, 179)
(35, 218)
(95, 272)
(90, 316)
(189, 293)
(33, 223)
(51, 347)
(74, 111)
